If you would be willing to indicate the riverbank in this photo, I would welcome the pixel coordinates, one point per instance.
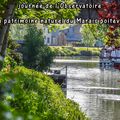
(75, 51)
(31, 93)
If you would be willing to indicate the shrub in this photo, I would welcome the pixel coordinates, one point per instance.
(32, 93)
(13, 57)
(9, 61)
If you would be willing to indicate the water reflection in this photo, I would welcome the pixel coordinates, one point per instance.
(96, 90)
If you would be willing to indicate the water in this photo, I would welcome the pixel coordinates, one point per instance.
(96, 90)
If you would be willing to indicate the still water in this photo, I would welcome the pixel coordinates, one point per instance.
(96, 90)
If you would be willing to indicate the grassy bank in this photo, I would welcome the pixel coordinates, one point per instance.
(75, 51)
(34, 96)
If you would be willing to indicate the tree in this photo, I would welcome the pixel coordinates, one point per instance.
(36, 55)
(18, 31)
(111, 10)
(13, 57)
(93, 32)
(9, 9)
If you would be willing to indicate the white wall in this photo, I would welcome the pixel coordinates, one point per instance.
(47, 36)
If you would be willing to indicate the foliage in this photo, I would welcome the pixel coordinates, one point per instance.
(47, 12)
(32, 93)
(110, 10)
(18, 31)
(7, 114)
(36, 55)
(113, 39)
(13, 57)
(9, 62)
(39, 13)
(75, 51)
(93, 32)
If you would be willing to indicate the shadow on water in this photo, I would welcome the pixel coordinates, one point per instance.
(96, 90)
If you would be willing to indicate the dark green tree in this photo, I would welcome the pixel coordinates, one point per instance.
(36, 55)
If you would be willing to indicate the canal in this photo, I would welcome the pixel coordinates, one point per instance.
(96, 90)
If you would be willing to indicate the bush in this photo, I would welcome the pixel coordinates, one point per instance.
(32, 93)
(9, 62)
(6, 114)
(13, 57)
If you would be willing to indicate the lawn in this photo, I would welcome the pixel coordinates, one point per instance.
(75, 51)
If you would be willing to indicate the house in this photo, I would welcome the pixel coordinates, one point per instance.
(54, 38)
(58, 37)
(62, 37)
(47, 36)
(73, 34)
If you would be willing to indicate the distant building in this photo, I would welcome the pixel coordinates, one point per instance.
(57, 37)
(73, 34)
(62, 37)
(47, 36)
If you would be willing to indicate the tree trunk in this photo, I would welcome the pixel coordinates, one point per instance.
(4, 44)
(9, 12)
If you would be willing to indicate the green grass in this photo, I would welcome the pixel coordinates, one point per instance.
(75, 51)
(28, 92)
